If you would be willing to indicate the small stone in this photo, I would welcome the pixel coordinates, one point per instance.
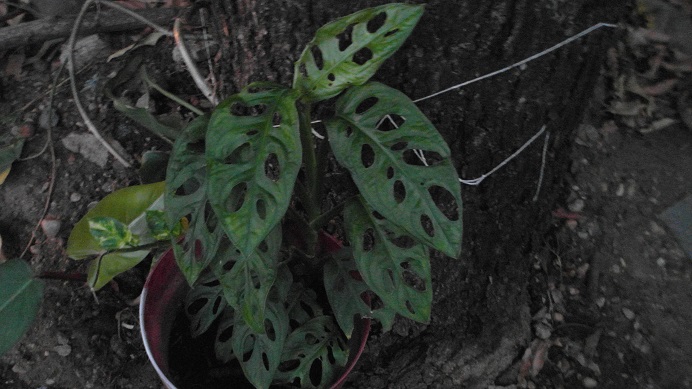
(656, 229)
(573, 291)
(558, 317)
(63, 350)
(661, 262)
(629, 314)
(583, 235)
(600, 302)
(576, 205)
(50, 381)
(74, 197)
(543, 330)
(48, 119)
(615, 269)
(582, 270)
(50, 227)
(19, 369)
(589, 382)
(571, 224)
(620, 191)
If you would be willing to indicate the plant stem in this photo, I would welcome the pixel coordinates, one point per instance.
(309, 199)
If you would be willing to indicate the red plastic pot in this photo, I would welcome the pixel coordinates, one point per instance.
(162, 299)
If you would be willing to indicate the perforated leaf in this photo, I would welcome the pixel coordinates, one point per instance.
(313, 354)
(254, 154)
(128, 206)
(223, 344)
(349, 50)
(260, 354)
(186, 196)
(204, 303)
(20, 300)
(394, 265)
(348, 294)
(246, 281)
(380, 154)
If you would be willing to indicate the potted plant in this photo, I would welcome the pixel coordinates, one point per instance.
(243, 207)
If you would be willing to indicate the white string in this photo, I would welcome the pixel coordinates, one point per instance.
(540, 177)
(522, 62)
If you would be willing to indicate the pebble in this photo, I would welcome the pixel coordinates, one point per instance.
(50, 227)
(589, 382)
(620, 191)
(601, 301)
(629, 314)
(572, 224)
(661, 262)
(74, 197)
(63, 350)
(583, 235)
(576, 205)
(543, 330)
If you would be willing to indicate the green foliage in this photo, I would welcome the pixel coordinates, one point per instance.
(128, 208)
(20, 299)
(249, 248)
(348, 51)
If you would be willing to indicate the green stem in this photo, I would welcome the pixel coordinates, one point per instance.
(309, 198)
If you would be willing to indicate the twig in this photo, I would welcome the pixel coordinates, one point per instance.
(540, 177)
(53, 169)
(75, 94)
(191, 67)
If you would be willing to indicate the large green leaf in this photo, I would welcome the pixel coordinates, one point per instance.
(186, 196)
(349, 50)
(253, 154)
(260, 354)
(423, 200)
(348, 295)
(20, 299)
(128, 206)
(246, 281)
(395, 266)
(204, 303)
(315, 343)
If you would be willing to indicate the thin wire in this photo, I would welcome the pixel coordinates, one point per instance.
(540, 177)
(477, 181)
(522, 62)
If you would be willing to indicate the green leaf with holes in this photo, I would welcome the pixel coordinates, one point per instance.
(223, 341)
(349, 50)
(20, 300)
(259, 354)
(204, 303)
(318, 342)
(186, 197)
(128, 206)
(375, 134)
(254, 154)
(246, 281)
(345, 290)
(395, 266)
(110, 233)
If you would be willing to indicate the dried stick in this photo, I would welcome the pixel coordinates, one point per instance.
(191, 67)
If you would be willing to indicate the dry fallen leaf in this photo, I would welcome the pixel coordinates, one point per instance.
(661, 87)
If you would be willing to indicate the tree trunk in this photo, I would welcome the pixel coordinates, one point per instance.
(481, 320)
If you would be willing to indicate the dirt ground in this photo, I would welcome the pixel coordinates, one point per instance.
(611, 292)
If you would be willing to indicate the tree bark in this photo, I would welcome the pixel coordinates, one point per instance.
(481, 320)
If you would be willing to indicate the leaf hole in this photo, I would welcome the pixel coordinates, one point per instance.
(293, 323)
(349, 132)
(196, 306)
(390, 280)
(367, 155)
(197, 147)
(240, 109)
(391, 32)
(427, 225)
(289, 365)
(399, 191)
(261, 208)
(236, 198)
(307, 308)
(302, 69)
(272, 168)
(362, 56)
(199, 251)
(366, 105)
(409, 306)
(355, 274)
(217, 305)
(213, 283)
(432, 158)
(377, 22)
(276, 119)
(190, 186)
(390, 173)
(228, 265)
(403, 241)
(316, 372)
(405, 265)
(377, 215)
(445, 202)
(265, 361)
(345, 38)
(269, 330)
(263, 247)
(413, 280)
(331, 77)
(330, 355)
(252, 133)
(311, 339)
(317, 56)
(368, 239)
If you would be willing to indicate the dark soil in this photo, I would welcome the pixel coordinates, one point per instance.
(610, 288)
